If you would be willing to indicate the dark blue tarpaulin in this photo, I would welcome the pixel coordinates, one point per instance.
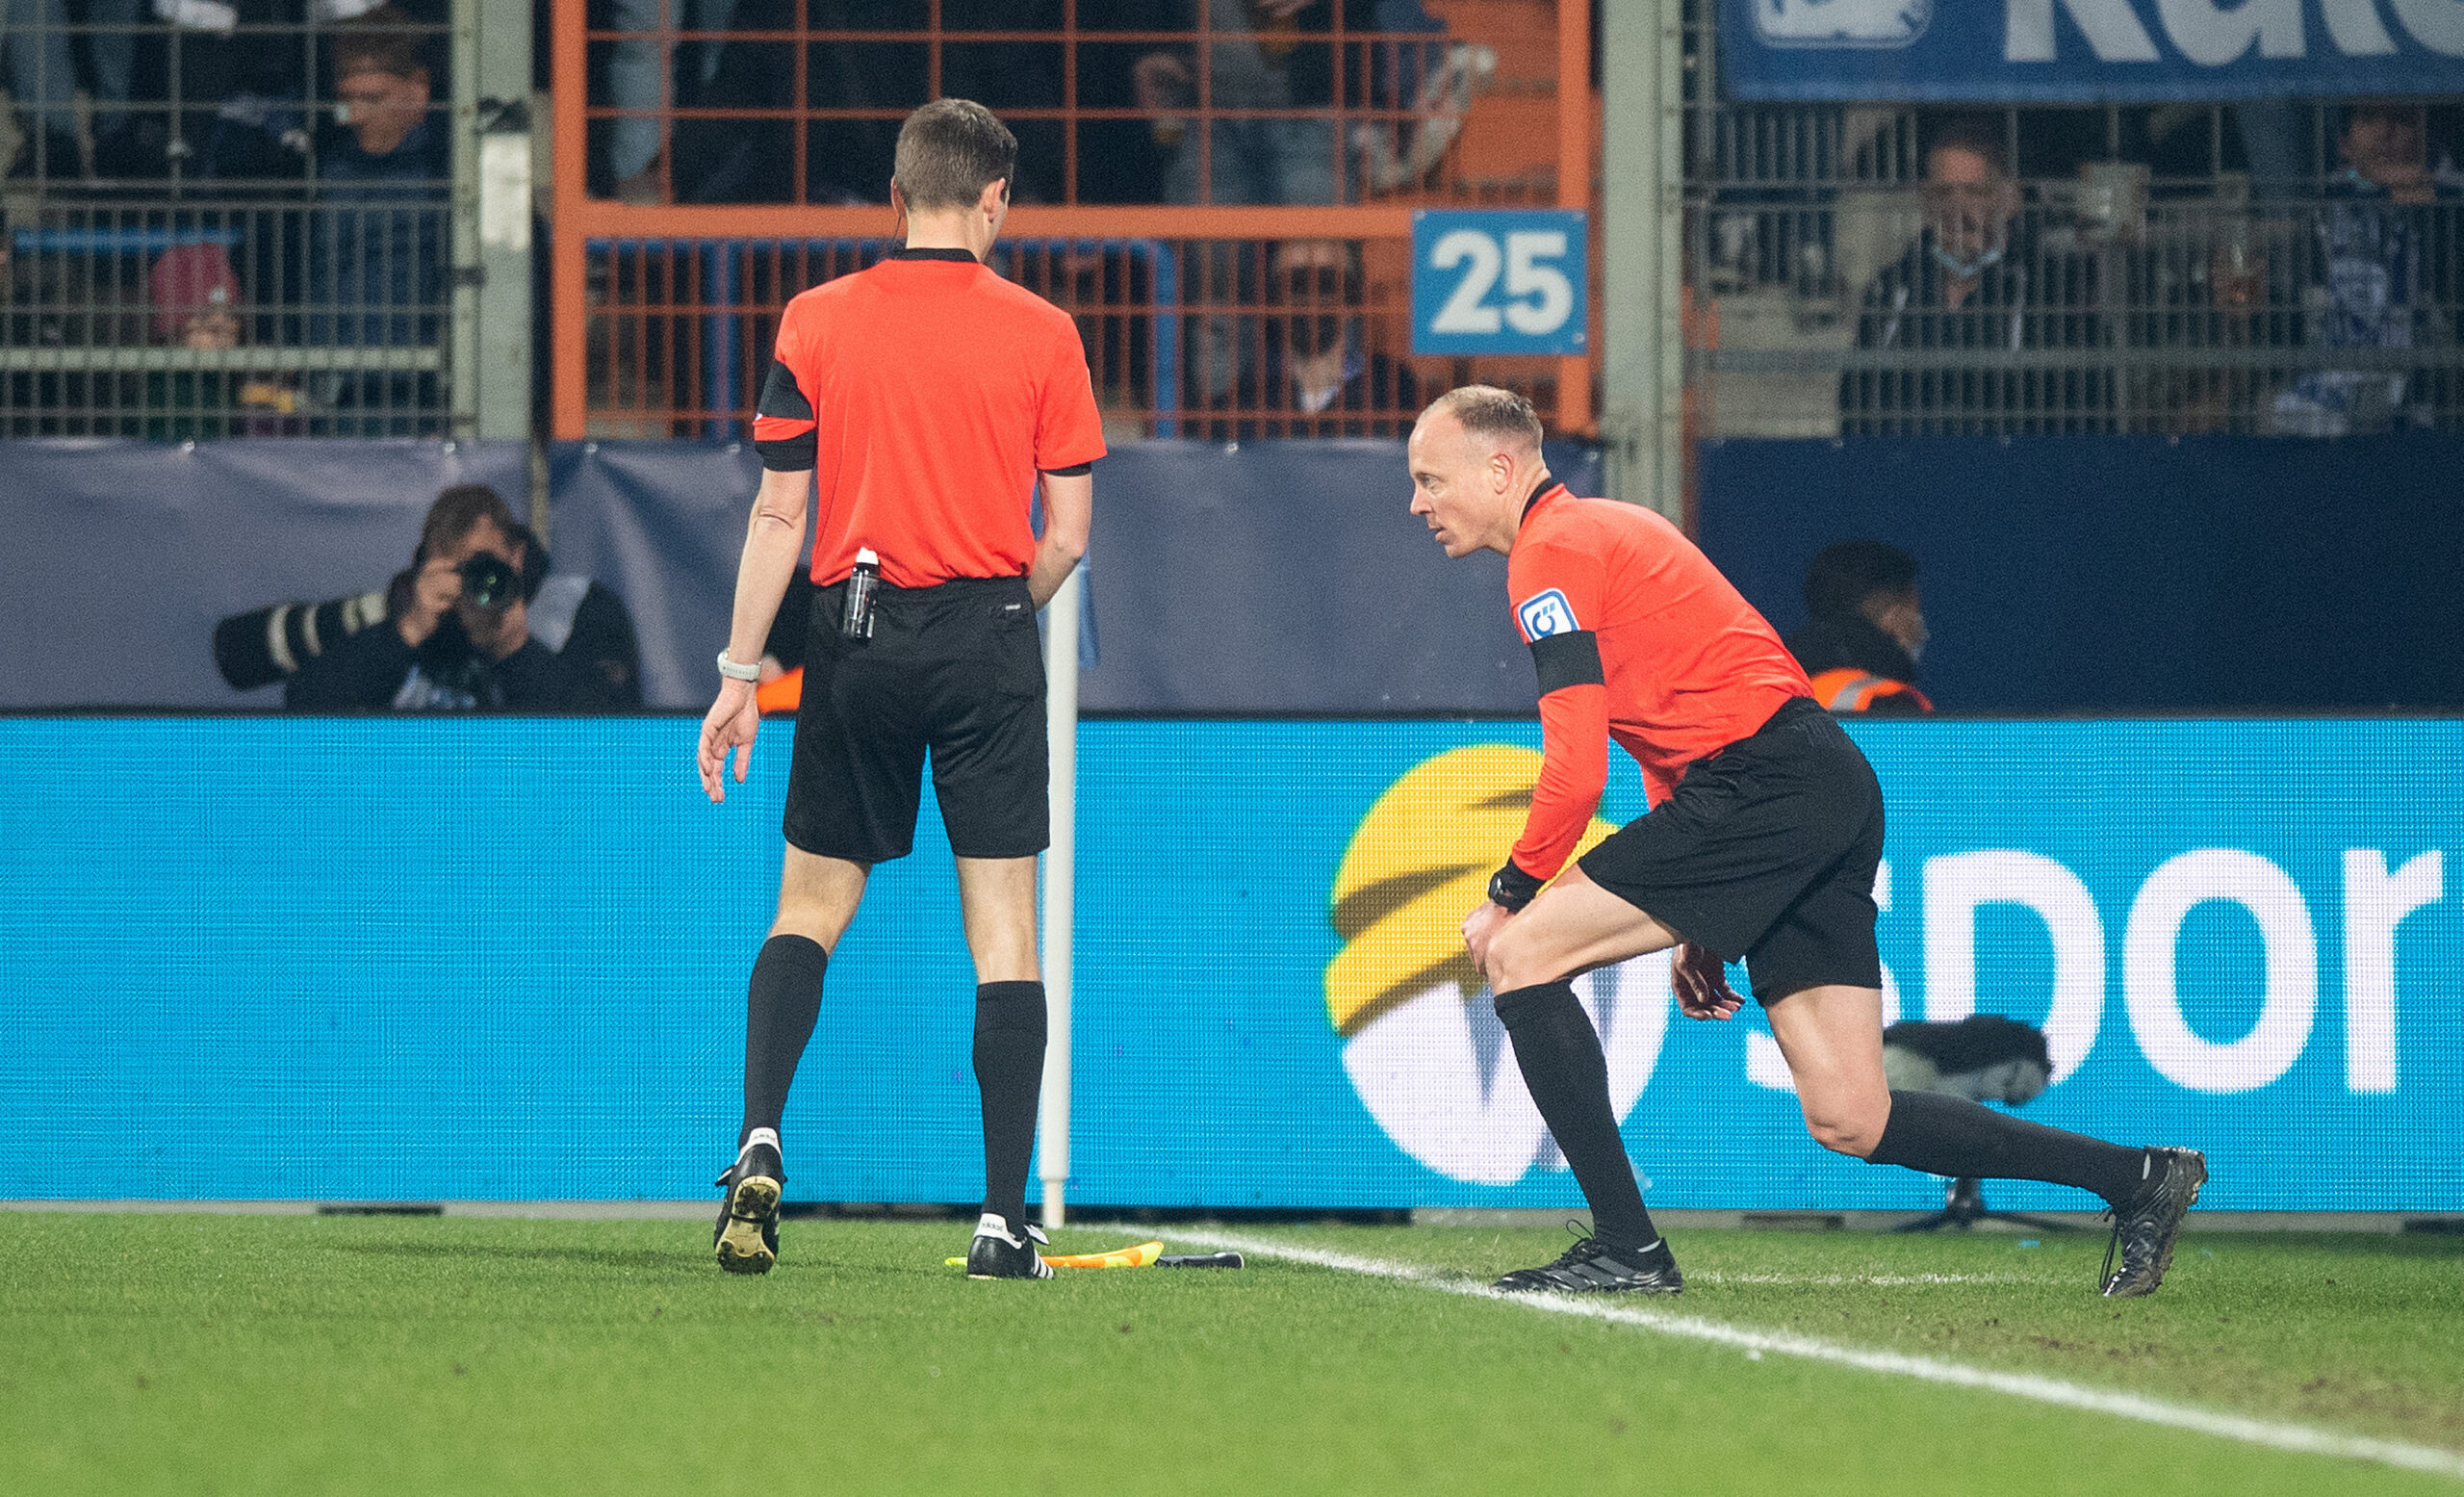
(2065, 574)
(1274, 577)
(120, 556)
(2060, 573)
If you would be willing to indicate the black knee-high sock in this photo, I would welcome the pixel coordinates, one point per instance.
(781, 1004)
(1953, 1136)
(1009, 1072)
(1562, 1064)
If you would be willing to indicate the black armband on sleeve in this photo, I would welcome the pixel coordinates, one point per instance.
(1569, 660)
(1511, 887)
(1073, 471)
(790, 454)
(782, 399)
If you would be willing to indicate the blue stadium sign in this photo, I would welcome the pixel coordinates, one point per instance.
(2087, 51)
(376, 995)
(1500, 282)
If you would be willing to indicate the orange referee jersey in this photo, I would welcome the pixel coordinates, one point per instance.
(925, 394)
(1638, 638)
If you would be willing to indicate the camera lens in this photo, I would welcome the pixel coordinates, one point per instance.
(487, 582)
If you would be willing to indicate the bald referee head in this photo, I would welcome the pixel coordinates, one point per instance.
(1475, 457)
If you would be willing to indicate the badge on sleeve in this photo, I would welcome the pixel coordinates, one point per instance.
(1546, 613)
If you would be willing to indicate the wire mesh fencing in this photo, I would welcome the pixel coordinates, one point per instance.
(214, 225)
(240, 319)
(2267, 267)
(1216, 340)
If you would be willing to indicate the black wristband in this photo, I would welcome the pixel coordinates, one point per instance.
(1511, 887)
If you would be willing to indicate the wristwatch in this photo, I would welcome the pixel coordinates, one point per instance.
(1511, 887)
(735, 672)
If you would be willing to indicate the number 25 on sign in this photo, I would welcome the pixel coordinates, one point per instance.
(1500, 282)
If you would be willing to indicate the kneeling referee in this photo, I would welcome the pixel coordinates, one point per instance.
(1762, 843)
(931, 397)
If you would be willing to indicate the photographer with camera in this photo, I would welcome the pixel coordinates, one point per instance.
(478, 622)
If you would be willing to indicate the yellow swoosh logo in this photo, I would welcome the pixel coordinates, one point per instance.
(1419, 863)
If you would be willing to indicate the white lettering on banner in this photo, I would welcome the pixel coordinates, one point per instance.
(1957, 883)
(1765, 1064)
(2212, 36)
(2111, 29)
(1891, 982)
(2291, 997)
(2375, 903)
(1835, 23)
(2354, 25)
(2436, 24)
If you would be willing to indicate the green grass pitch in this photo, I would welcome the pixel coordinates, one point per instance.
(197, 1354)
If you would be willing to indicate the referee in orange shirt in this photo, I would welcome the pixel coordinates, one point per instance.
(1762, 843)
(930, 396)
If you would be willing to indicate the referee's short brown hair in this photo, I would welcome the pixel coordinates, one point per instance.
(949, 152)
(1485, 411)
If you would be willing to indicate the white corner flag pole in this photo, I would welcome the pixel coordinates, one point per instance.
(1059, 889)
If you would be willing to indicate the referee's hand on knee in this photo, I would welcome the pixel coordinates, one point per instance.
(732, 721)
(1699, 980)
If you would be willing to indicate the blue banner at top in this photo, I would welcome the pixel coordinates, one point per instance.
(2089, 51)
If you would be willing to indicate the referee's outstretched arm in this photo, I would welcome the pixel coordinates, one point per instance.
(1068, 508)
(774, 545)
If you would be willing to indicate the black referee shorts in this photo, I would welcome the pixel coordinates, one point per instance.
(1766, 852)
(956, 671)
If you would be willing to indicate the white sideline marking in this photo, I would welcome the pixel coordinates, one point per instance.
(2274, 1435)
(1869, 1281)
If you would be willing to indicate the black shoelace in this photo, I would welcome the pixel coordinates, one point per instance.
(1585, 1246)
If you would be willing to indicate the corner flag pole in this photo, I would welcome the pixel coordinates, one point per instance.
(1059, 889)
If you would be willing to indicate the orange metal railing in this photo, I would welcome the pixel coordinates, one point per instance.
(662, 312)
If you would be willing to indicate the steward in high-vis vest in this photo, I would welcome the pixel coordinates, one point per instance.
(1848, 689)
(1868, 629)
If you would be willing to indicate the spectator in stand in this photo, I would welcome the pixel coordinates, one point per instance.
(2378, 282)
(1868, 630)
(638, 74)
(1976, 280)
(1314, 375)
(377, 240)
(196, 305)
(43, 80)
(1262, 55)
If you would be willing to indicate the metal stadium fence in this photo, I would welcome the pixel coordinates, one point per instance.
(2168, 268)
(193, 242)
(1224, 201)
(257, 318)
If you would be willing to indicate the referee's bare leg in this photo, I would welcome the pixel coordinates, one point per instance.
(1831, 1036)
